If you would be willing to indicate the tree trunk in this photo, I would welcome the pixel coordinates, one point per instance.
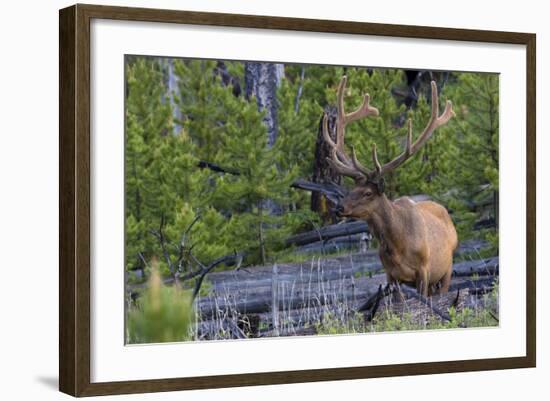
(172, 91)
(262, 81)
(322, 172)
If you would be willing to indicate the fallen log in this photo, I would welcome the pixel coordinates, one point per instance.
(299, 296)
(332, 270)
(469, 246)
(334, 192)
(355, 261)
(482, 267)
(303, 321)
(485, 284)
(302, 276)
(293, 295)
(328, 232)
(412, 293)
(336, 244)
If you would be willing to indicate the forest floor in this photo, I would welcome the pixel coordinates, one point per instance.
(336, 295)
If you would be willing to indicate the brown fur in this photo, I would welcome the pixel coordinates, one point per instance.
(417, 240)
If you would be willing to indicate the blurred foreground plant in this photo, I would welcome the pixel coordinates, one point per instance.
(161, 314)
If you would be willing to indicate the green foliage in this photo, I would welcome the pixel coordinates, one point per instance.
(353, 322)
(262, 184)
(385, 130)
(161, 168)
(483, 314)
(473, 154)
(168, 134)
(298, 124)
(204, 103)
(162, 314)
(458, 166)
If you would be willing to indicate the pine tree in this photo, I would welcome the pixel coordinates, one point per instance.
(163, 180)
(295, 145)
(475, 142)
(204, 104)
(260, 180)
(147, 119)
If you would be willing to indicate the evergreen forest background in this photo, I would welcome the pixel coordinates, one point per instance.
(212, 148)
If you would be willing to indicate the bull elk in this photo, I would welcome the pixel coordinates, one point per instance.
(416, 239)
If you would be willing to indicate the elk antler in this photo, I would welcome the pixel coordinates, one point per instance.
(339, 160)
(350, 166)
(435, 122)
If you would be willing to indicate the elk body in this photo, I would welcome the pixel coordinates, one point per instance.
(416, 239)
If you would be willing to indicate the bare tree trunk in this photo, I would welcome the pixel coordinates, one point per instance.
(172, 90)
(300, 90)
(262, 81)
(322, 172)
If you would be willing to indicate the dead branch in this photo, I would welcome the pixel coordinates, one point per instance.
(412, 293)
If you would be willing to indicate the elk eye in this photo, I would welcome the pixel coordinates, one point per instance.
(368, 194)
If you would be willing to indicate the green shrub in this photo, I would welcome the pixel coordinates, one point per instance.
(161, 314)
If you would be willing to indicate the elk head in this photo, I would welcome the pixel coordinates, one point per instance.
(368, 193)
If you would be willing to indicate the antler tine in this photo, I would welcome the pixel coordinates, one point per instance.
(435, 122)
(337, 150)
(365, 171)
(341, 161)
(377, 165)
(326, 135)
(340, 98)
(363, 111)
(344, 169)
(341, 115)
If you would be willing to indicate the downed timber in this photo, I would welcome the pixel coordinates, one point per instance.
(332, 270)
(355, 261)
(263, 303)
(350, 228)
(334, 192)
(474, 245)
(354, 242)
(336, 244)
(477, 286)
(301, 296)
(412, 293)
(488, 266)
(299, 321)
(301, 276)
(253, 299)
(485, 284)
(328, 232)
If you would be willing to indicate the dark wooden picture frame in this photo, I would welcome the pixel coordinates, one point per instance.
(74, 203)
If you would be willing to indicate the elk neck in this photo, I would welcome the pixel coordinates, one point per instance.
(385, 225)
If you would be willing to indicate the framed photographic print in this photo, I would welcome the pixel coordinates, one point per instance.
(250, 200)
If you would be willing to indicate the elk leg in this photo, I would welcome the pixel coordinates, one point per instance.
(422, 282)
(445, 282)
(397, 296)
